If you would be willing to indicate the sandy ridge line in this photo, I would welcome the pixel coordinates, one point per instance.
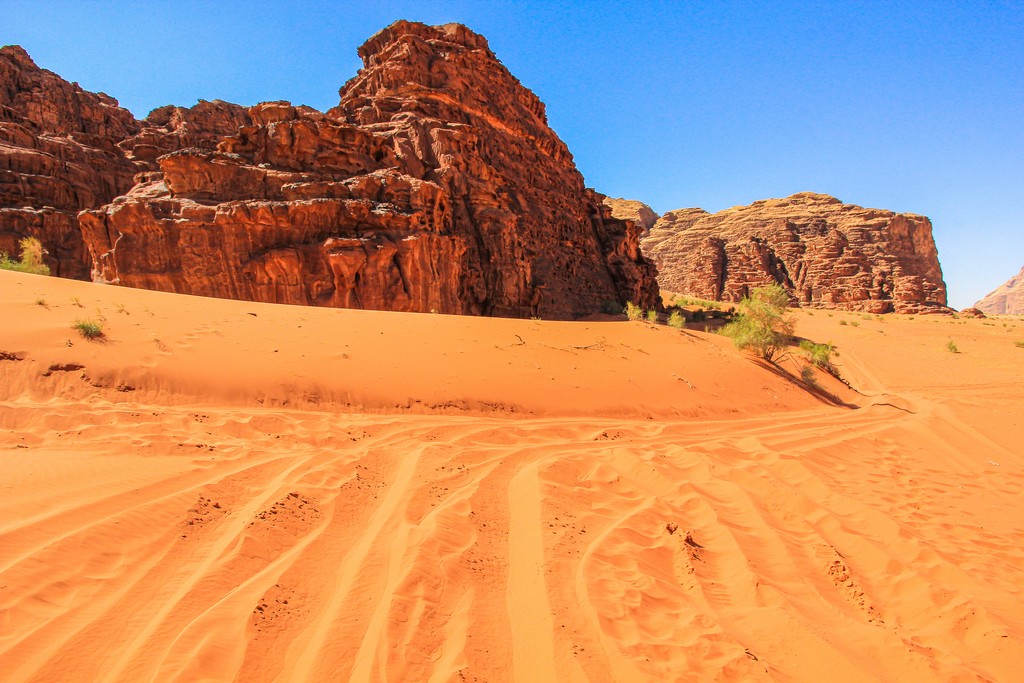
(526, 593)
(387, 517)
(215, 554)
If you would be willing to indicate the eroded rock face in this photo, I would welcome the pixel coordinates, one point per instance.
(825, 253)
(435, 184)
(632, 210)
(169, 129)
(58, 155)
(1007, 299)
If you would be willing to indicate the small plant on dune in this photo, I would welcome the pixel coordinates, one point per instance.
(90, 329)
(1019, 345)
(807, 375)
(762, 325)
(820, 355)
(677, 320)
(633, 312)
(75, 301)
(42, 302)
(843, 322)
(652, 317)
(952, 347)
(31, 258)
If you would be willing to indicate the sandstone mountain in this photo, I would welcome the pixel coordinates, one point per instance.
(825, 253)
(58, 155)
(633, 210)
(436, 184)
(1007, 299)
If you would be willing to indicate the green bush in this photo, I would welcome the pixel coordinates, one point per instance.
(819, 354)
(952, 347)
(633, 312)
(31, 258)
(652, 317)
(762, 325)
(90, 329)
(677, 320)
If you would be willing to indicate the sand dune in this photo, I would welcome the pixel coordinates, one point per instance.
(233, 491)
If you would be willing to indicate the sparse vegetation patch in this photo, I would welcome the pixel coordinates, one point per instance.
(31, 258)
(762, 325)
(90, 329)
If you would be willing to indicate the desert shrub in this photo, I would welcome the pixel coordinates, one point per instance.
(819, 354)
(762, 325)
(633, 312)
(952, 347)
(90, 329)
(843, 322)
(677, 320)
(31, 258)
(807, 375)
(1020, 344)
(652, 316)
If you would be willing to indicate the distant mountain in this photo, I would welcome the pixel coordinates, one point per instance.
(826, 254)
(1007, 298)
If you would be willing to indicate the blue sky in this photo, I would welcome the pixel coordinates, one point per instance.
(909, 106)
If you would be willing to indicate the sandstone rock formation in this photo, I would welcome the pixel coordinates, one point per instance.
(435, 184)
(632, 210)
(825, 253)
(58, 155)
(1006, 299)
(169, 129)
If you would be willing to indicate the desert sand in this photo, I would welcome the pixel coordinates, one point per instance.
(231, 491)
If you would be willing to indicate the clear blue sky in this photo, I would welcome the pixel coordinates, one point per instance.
(909, 106)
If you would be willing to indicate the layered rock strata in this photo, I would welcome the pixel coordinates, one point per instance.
(633, 210)
(1006, 299)
(58, 155)
(825, 253)
(435, 184)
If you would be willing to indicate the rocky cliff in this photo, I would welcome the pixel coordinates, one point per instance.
(633, 210)
(1007, 299)
(825, 253)
(58, 155)
(435, 184)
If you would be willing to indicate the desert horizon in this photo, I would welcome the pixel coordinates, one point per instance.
(227, 490)
(359, 374)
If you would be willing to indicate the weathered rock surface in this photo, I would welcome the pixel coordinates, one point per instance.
(169, 129)
(632, 210)
(58, 155)
(435, 184)
(1006, 299)
(825, 253)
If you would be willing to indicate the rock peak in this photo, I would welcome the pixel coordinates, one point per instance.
(18, 54)
(454, 34)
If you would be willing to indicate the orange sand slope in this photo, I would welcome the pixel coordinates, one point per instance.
(316, 495)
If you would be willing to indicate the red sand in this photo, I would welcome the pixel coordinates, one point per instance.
(223, 490)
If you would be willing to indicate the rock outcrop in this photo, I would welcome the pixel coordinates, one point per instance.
(435, 184)
(1007, 299)
(632, 210)
(58, 155)
(169, 129)
(825, 253)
